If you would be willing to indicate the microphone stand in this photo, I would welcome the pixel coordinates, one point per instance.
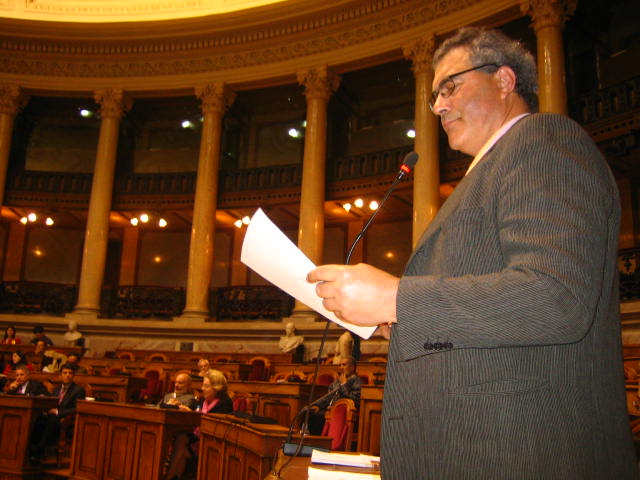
(408, 163)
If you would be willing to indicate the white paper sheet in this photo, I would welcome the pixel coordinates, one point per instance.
(268, 252)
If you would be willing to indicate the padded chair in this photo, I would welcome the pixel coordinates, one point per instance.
(222, 359)
(260, 367)
(326, 378)
(126, 356)
(339, 424)
(377, 360)
(152, 391)
(365, 378)
(157, 357)
(240, 403)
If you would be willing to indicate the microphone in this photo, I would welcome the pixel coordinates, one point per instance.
(293, 450)
(409, 161)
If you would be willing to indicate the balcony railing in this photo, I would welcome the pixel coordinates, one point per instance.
(608, 102)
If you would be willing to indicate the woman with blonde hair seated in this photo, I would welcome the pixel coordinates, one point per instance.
(215, 399)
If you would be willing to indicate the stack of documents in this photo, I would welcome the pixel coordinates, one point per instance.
(343, 466)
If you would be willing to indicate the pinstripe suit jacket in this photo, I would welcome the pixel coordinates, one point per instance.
(506, 359)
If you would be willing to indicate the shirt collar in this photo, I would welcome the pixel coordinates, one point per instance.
(493, 139)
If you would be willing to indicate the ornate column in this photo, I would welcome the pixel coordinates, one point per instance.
(11, 101)
(215, 99)
(113, 104)
(14, 252)
(548, 18)
(426, 177)
(319, 84)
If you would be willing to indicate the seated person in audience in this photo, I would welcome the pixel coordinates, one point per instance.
(40, 358)
(10, 337)
(38, 334)
(203, 367)
(17, 358)
(47, 427)
(215, 399)
(73, 359)
(347, 385)
(23, 385)
(181, 394)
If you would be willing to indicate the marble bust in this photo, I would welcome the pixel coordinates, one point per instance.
(290, 341)
(73, 337)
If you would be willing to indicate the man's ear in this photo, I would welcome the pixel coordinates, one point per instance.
(506, 79)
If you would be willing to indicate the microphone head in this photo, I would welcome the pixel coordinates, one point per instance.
(410, 160)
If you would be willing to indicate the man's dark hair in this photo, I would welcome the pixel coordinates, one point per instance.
(23, 366)
(492, 46)
(68, 366)
(38, 329)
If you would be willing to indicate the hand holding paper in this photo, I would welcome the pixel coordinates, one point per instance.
(272, 255)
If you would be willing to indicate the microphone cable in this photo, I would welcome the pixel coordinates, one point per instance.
(408, 163)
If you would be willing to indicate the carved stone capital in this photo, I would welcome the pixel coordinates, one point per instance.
(11, 99)
(215, 97)
(318, 82)
(113, 102)
(420, 51)
(548, 13)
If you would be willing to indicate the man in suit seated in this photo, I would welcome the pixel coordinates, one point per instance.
(73, 359)
(46, 430)
(181, 394)
(347, 385)
(23, 385)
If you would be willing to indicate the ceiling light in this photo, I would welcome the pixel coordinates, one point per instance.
(24, 220)
(346, 206)
(134, 221)
(238, 223)
(144, 218)
(411, 133)
(358, 202)
(246, 220)
(49, 221)
(32, 217)
(373, 205)
(294, 133)
(162, 223)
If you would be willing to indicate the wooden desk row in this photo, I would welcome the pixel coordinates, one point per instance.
(121, 441)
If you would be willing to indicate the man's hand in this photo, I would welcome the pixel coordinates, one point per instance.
(359, 294)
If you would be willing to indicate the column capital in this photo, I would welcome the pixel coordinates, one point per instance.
(548, 13)
(215, 97)
(318, 82)
(113, 102)
(420, 51)
(11, 98)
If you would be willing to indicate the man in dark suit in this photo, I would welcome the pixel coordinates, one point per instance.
(23, 385)
(505, 356)
(47, 428)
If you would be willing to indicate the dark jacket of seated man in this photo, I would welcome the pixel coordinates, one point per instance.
(23, 385)
(47, 428)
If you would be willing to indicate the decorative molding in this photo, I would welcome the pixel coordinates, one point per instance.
(189, 55)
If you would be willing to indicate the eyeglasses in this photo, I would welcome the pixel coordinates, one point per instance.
(448, 86)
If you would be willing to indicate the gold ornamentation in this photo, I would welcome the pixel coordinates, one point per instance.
(318, 82)
(420, 52)
(215, 97)
(11, 99)
(113, 102)
(549, 13)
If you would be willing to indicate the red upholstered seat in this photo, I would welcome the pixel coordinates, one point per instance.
(339, 423)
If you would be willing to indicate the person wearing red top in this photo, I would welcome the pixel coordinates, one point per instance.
(10, 337)
(17, 358)
(215, 400)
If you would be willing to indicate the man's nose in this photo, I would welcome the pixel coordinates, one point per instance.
(441, 105)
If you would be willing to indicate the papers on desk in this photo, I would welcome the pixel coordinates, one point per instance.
(268, 252)
(343, 466)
